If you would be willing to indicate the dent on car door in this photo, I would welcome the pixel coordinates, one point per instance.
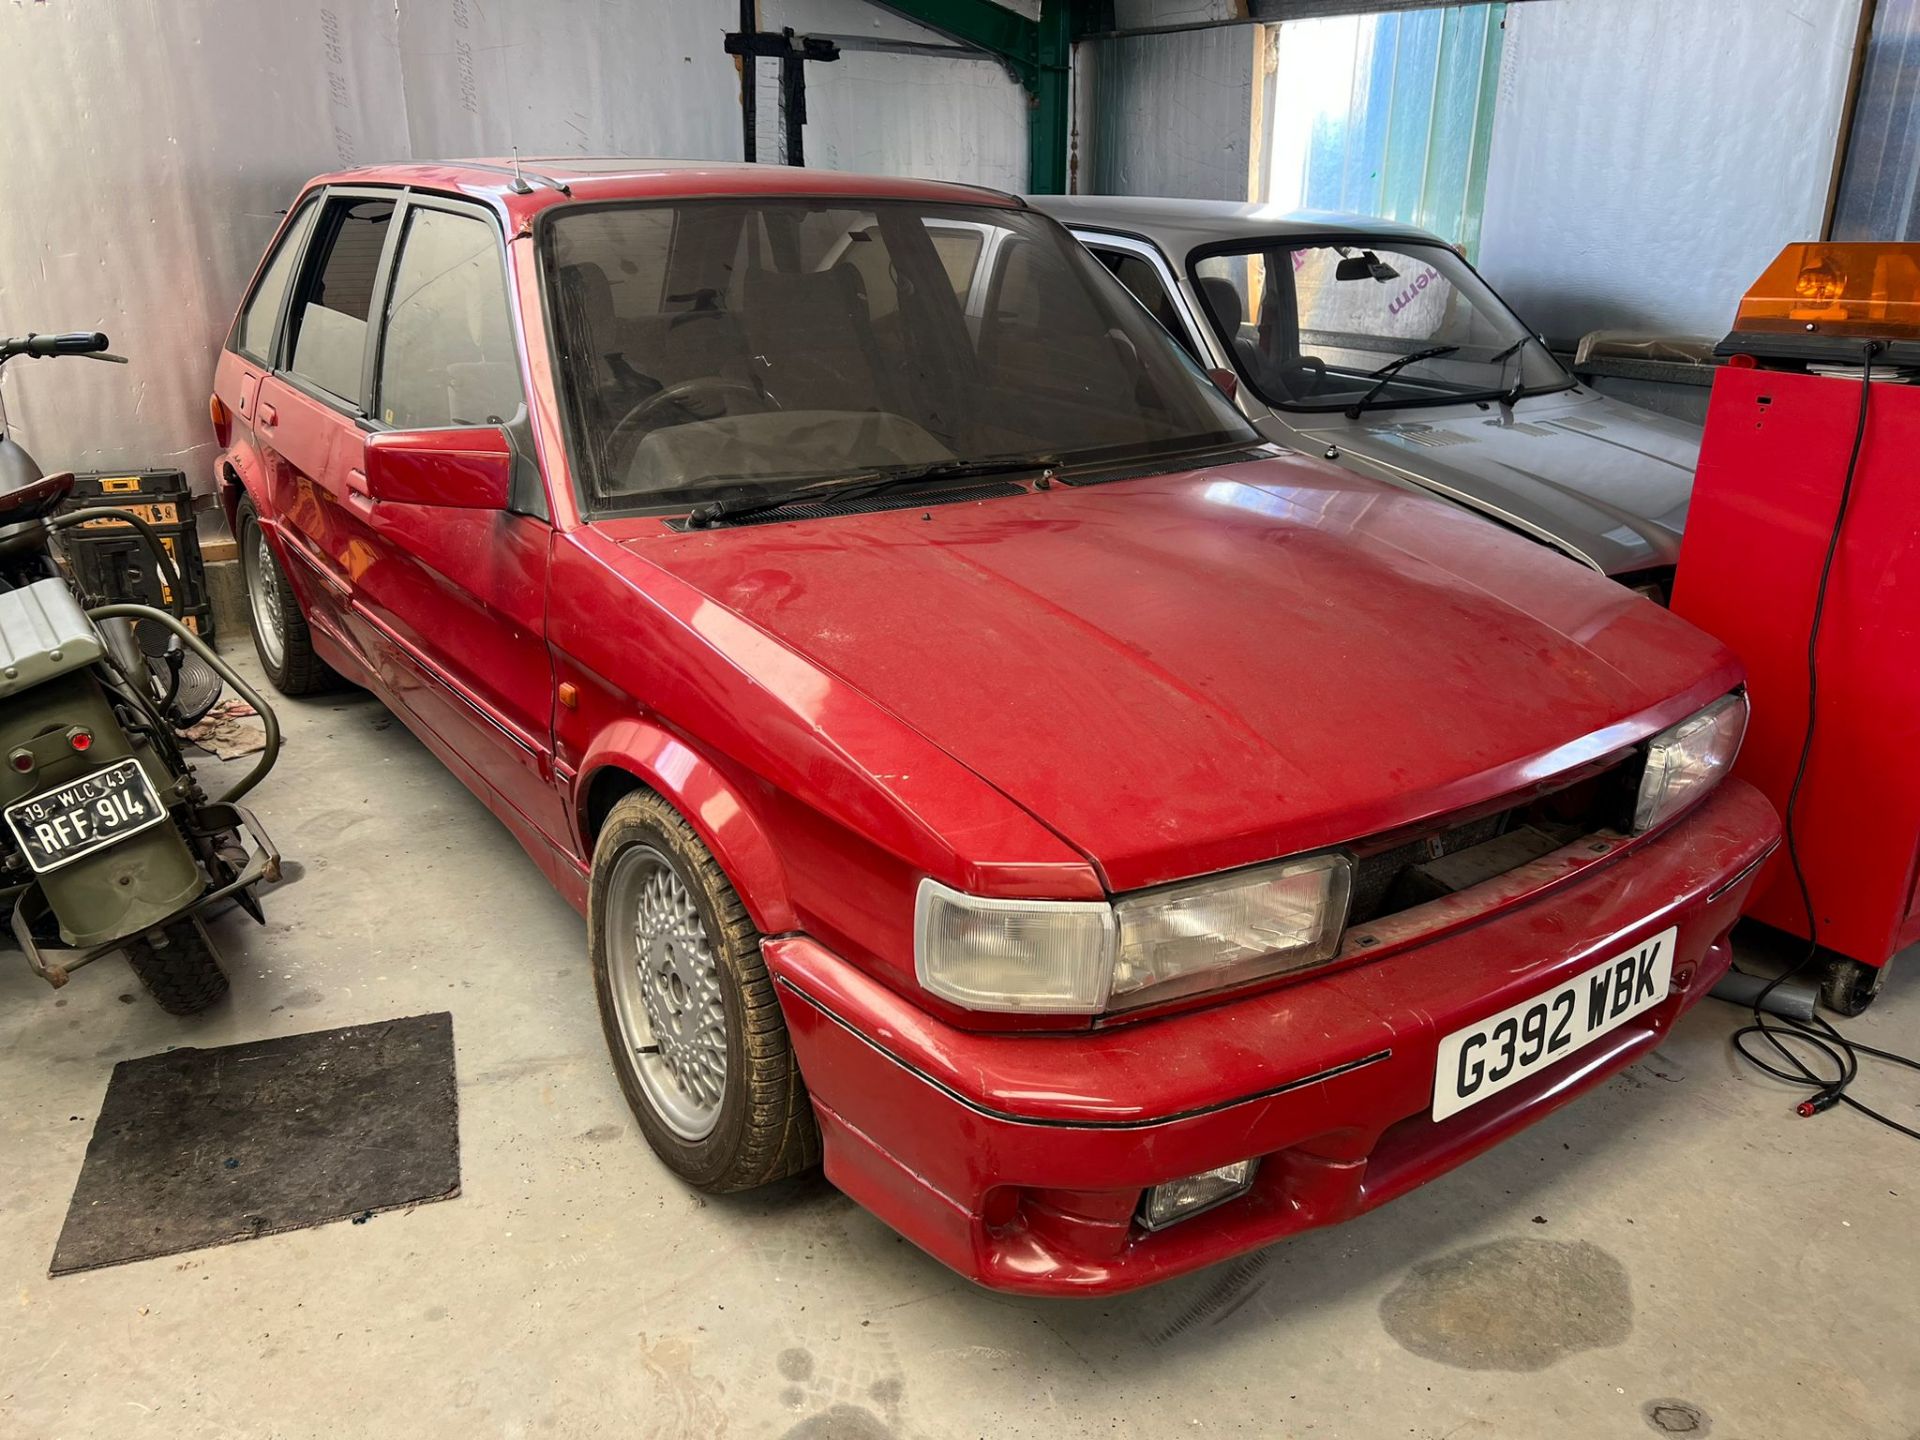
(309, 415)
(457, 589)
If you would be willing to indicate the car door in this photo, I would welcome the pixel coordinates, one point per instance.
(454, 596)
(309, 414)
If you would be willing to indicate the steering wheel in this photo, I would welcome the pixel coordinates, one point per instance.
(683, 395)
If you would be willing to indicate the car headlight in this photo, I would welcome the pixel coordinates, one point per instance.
(1081, 957)
(1687, 761)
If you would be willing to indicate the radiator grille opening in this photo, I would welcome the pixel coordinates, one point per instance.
(1453, 857)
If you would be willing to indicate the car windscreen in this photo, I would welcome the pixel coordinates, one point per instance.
(1331, 324)
(724, 349)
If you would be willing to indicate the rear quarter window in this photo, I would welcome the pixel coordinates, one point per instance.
(260, 313)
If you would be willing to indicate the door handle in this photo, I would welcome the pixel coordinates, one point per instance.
(268, 417)
(358, 496)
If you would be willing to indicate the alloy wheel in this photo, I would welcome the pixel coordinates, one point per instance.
(665, 982)
(263, 596)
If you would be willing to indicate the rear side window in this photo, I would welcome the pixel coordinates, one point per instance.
(328, 326)
(1139, 276)
(959, 252)
(447, 355)
(254, 334)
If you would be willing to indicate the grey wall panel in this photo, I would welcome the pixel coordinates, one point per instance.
(945, 117)
(1171, 113)
(1650, 157)
(149, 149)
(575, 77)
(1880, 193)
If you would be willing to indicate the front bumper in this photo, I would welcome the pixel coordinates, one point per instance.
(1018, 1159)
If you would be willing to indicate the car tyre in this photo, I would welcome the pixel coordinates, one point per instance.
(1848, 987)
(280, 635)
(689, 1011)
(179, 966)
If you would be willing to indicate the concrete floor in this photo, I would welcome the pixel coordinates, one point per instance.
(1678, 1239)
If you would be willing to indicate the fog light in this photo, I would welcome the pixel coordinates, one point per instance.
(1179, 1199)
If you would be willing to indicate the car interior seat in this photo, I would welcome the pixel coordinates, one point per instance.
(811, 340)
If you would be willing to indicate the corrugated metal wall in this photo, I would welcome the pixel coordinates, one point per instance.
(150, 147)
(1651, 156)
(1169, 113)
(944, 116)
(1648, 157)
(1880, 190)
(1388, 115)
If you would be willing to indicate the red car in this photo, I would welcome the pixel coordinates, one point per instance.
(1107, 841)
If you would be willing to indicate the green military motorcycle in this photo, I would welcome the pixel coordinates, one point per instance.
(108, 843)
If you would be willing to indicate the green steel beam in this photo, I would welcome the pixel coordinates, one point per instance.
(1047, 125)
(982, 25)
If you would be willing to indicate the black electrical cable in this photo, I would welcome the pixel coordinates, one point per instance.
(1818, 1034)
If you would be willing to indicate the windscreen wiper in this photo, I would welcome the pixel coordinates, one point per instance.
(1384, 375)
(1501, 357)
(855, 487)
(1510, 395)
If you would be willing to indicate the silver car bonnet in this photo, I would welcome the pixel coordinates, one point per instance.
(1606, 482)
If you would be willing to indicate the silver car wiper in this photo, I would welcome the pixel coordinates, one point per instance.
(1501, 357)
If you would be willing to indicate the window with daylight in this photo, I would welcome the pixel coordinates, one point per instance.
(1387, 115)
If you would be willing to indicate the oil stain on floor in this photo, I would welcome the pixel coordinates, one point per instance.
(1511, 1305)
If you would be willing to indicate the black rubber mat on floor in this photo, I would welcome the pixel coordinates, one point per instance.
(205, 1147)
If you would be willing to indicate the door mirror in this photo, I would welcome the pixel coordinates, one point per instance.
(464, 469)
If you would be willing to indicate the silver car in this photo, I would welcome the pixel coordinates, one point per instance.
(1377, 345)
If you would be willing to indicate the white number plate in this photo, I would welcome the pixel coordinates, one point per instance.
(1504, 1049)
(59, 826)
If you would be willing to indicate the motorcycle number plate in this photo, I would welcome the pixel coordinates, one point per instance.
(57, 827)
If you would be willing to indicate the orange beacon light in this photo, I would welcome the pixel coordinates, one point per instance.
(1821, 302)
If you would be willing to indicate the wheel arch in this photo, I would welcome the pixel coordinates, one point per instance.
(232, 477)
(639, 755)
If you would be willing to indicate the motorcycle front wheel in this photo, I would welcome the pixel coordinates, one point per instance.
(179, 966)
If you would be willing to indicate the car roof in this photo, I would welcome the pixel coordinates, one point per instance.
(549, 179)
(1181, 226)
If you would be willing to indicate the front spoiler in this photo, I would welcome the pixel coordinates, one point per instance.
(1018, 1158)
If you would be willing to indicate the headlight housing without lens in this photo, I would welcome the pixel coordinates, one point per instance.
(1081, 957)
(1687, 761)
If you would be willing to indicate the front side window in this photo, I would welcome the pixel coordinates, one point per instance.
(1332, 325)
(715, 349)
(258, 317)
(447, 352)
(327, 328)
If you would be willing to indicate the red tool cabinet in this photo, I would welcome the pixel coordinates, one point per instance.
(1763, 510)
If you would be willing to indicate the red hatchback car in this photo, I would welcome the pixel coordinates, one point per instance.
(1108, 841)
